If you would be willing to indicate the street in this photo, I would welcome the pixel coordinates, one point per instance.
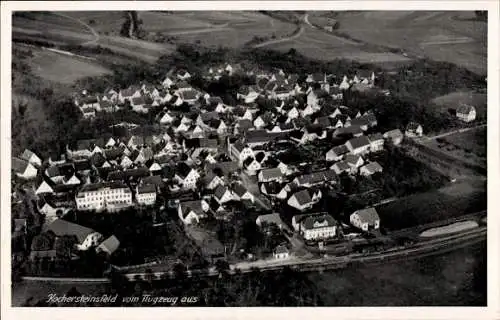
(253, 188)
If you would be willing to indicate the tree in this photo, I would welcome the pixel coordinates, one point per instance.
(65, 246)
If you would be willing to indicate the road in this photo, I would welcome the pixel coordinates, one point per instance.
(421, 249)
(253, 188)
(92, 30)
(426, 138)
(295, 35)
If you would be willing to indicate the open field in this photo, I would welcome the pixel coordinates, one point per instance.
(63, 68)
(451, 36)
(454, 99)
(451, 201)
(320, 45)
(469, 146)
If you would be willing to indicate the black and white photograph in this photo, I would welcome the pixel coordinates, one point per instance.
(182, 156)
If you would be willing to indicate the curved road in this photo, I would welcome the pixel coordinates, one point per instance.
(292, 37)
(92, 30)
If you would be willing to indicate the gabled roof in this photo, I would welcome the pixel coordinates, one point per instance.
(110, 245)
(368, 215)
(317, 177)
(271, 173)
(188, 206)
(352, 159)
(182, 169)
(220, 191)
(359, 142)
(27, 154)
(412, 126)
(153, 180)
(146, 188)
(274, 187)
(342, 165)
(62, 227)
(239, 189)
(376, 137)
(373, 167)
(465, 109)
(19, 165)
(340, 150)
(60, 170)
(310, 221)
(303, 197)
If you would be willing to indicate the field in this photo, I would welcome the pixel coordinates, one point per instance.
(62, 68)
(453, 100)
(321, 45)
(452, 36)
(448, 202)
(469, 146)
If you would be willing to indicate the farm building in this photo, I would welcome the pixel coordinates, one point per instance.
(466, 113)
(414, 130)
(365, 219)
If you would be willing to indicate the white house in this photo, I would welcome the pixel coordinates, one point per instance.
(31, 157)
(304, 199)
(376, 142)
(241, 193)
(146, 194)
(359, 145)
(259, 122)
(222, 194)
(44, 188)
(365, 219)
(466, 113)
(166, 118)
(187, 176)
(370, 168)
(110, 196)
(239, 151)
(394, 136)
(86, 237)
(271, 174)
(191, 212)
(23, 169)
(414, 130)
(315, 227)
(281, 252)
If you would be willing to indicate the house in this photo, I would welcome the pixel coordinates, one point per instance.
(71, 179)
(370, 168)
(281, 252)
(263, 221)
(189, 96)
(241, 193)
(414, 130)
(251, 165)
(239, 151)
(340, 167)
(167, 82)
(154, 166)
(111, 196)
(183, 75)
(212, 181)
(108, 246)
(222, 194)
(45, 187)
(275, 189)
(304, 199)
(128, 94)
(317, 227)
(259, 123)
(166, 118)
(350, 130)
(191, 212)
(466, 113)
(186, 176)
(376, 142)
(394, 136)
(359, 145)
(272, 174)
(247, 93)
(337, 153)
(86, 237)
(365, 219)
(23, 169)
(31, 157)
(315, 178)
(146, 194)
(354, 162)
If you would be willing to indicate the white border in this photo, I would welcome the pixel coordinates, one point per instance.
(491, 312)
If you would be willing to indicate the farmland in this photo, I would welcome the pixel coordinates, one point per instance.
(451, 36)
(469, 146)
(448, 202)
(61, 68)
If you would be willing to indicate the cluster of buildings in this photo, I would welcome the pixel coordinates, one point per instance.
(199, 156)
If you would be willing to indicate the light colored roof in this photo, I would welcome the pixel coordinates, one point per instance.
(110, 244)
(368, 215)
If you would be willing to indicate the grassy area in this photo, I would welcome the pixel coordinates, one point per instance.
(62, 68)
(451, 36)
(454, 99)
(448, 202)
(323, 46)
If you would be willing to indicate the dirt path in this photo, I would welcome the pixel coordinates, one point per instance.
(292, 37)
(92, 30)
(222, 27)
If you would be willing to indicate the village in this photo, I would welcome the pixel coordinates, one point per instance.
(214, 164)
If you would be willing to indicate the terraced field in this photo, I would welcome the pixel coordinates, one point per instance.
(452, 36)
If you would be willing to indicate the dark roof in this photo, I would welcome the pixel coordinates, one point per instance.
(146, 188)
(271, 173)
(465, 109)
(317, 177)
(62, 227)
(239, 189)
(227, 167)
(82, 165)
(303, 197)
(19, 165)
(220, 191)
(373, 167)
(113, 153)
(342, 165)
(194, 205)
(376, 136)
(102, 185)
(412, 126)
(274, 187)
(310, 221)
(182, 169)
(60, 170)
(351, 158)
(154, 180)
(359, 142)
(340, 150)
